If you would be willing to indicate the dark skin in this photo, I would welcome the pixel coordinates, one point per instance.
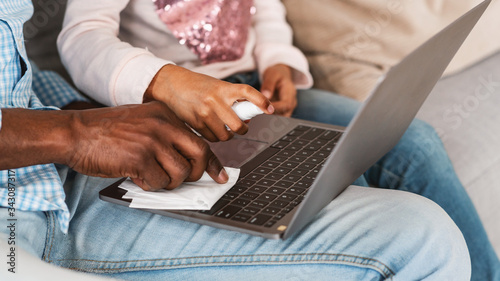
(204, 102)
(145, 142)
(277, 86)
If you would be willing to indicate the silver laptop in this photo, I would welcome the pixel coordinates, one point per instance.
(291, 169)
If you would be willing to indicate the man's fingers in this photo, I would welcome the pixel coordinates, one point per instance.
(201, 159)
(152, 177)
(215, 169)
(141, 184)
(175, 164)
(196, 153)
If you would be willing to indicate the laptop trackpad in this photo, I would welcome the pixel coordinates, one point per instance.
(234, 152)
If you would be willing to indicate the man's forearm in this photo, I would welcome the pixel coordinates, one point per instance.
(31, 137)
(145, 142)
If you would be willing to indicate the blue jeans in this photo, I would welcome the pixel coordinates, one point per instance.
(364, 234)
(418, 164)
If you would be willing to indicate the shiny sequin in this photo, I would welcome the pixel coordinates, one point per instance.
(215, 30)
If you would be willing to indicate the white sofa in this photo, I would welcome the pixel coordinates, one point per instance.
(464, 108)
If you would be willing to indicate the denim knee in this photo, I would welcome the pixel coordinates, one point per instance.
(422, 136)
(418, 157)
(436, 244)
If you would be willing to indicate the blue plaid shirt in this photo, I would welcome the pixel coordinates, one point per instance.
(37, 188)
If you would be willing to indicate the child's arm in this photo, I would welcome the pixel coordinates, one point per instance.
(101, 65)
(115, 73)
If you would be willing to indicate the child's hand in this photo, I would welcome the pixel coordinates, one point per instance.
(277, 85)
(204, 102)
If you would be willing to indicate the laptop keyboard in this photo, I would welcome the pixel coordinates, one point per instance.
(274, 182)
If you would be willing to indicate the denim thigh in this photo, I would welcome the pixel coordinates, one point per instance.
(363, 234)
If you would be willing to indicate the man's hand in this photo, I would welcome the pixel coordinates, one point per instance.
(147, 143)
(204, 102)
(277, 85)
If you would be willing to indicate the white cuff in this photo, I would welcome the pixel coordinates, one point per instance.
(134, 78)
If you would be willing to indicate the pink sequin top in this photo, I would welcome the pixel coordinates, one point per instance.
(215, 30)
(113, 49)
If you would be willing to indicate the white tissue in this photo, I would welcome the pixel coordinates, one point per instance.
(199, 195)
